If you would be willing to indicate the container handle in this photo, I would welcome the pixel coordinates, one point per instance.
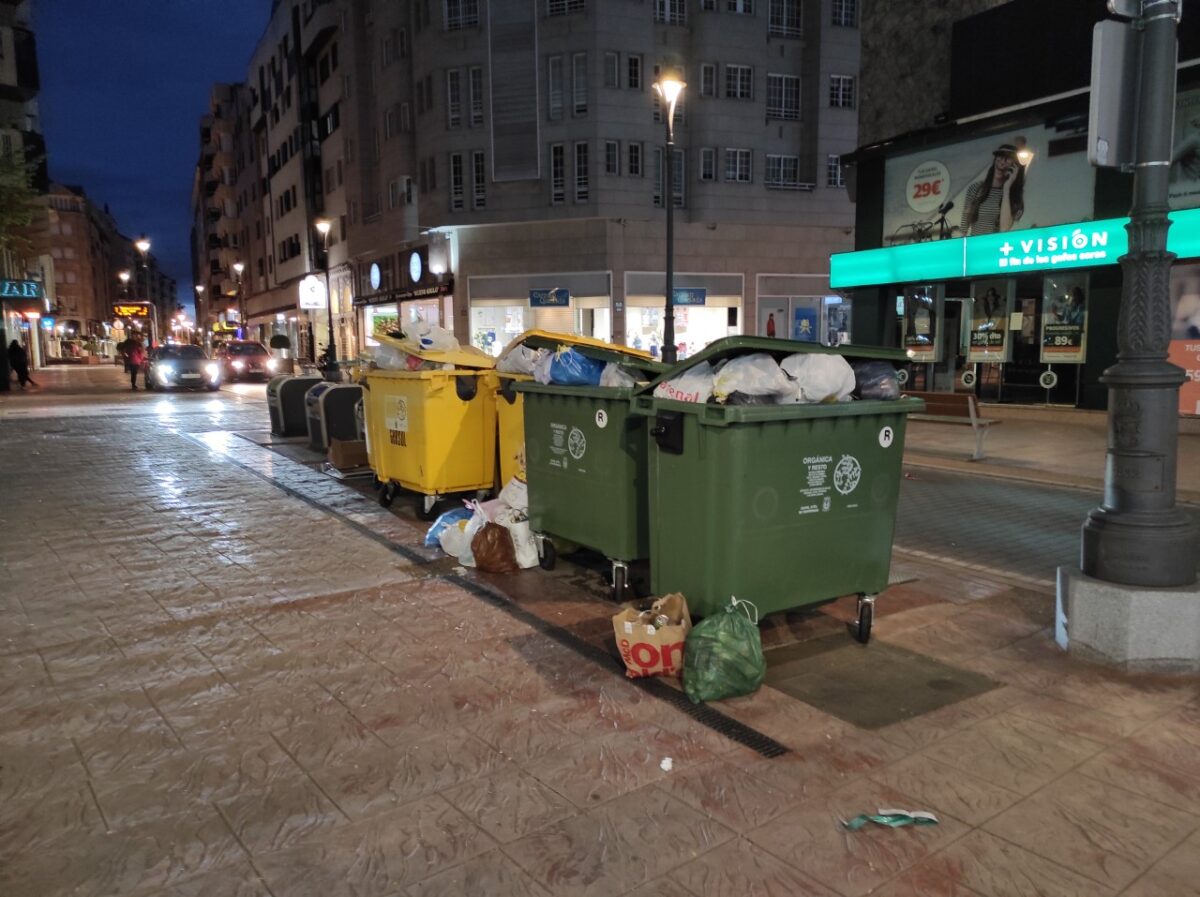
(466, 386)
(736, 603)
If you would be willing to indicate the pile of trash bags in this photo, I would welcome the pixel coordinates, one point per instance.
(400, 350)
(492, 536)
(565, 367)
(806, 378)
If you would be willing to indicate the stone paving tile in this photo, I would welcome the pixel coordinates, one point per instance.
(510, 803)
(1102, 832)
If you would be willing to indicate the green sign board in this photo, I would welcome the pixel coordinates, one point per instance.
(1088, 244)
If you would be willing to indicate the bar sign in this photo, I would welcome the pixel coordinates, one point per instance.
(559, 297)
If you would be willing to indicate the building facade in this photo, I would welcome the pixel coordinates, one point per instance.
(988, 246)
(471, 157)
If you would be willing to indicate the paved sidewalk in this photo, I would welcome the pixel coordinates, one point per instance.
(222, 673)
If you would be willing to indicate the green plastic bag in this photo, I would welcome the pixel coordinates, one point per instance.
(723, 657)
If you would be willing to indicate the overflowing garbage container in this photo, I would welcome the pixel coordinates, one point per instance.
(431, 427)
(585, 453)
(759, 491)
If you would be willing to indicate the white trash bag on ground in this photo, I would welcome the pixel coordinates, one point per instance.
(819, 377)
(524, 541)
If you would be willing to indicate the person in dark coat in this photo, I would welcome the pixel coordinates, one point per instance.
(18, 360)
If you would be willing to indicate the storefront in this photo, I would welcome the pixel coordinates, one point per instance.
(707, 308)
(505, 306)
(788, 307)
(399, 290)
(23, 306)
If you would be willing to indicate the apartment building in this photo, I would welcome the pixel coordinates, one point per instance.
(493, 167)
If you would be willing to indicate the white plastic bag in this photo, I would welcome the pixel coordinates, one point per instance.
(819, 377)
(541, 367)
(515, 495)
(752, 375)
(390, 358)
(434, 339)
(523, 539)
(613, 375)
(456, 543)
(519, 361)
(693, 385)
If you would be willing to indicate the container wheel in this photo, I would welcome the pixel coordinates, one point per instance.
(547, 553)
(387, 494)
(427, 507)
(866, 616)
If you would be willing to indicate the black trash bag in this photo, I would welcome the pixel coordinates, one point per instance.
(875, 380)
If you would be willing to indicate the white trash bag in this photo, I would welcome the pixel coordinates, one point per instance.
(515, 495)
(613, 375)
(757, 374)
(693, 385)
(519, 360)
(819, 377)
(523, 539)
(541, 367)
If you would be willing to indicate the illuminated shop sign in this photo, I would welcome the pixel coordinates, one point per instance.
(1089, 244)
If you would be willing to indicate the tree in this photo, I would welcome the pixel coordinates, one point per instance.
(18, 201)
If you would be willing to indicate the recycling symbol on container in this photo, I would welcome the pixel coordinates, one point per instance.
(847, 474)
(576, 443)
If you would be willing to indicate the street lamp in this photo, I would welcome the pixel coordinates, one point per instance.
(323, 226)
(124, 276)
(669, 87)
(238, 268)
(142, 244)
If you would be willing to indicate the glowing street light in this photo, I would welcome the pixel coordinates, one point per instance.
(669, 88)
(324, 226)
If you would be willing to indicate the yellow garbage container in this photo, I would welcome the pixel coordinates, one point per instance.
(432, 430)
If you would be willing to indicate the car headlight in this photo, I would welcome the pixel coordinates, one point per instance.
(238, 365)
(272, 364)
(164, 371)
(213, 370)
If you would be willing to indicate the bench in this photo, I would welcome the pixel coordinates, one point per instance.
(954, 408)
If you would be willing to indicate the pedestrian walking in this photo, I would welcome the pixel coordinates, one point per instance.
(18, 360)
(135, 360)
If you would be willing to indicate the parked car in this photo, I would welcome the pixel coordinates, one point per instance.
(182, 366)
(244, 359)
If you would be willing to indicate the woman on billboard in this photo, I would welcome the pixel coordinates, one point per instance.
(997, 201)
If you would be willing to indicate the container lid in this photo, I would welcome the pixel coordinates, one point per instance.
(732, 346)
(636, 359)
(462, 357)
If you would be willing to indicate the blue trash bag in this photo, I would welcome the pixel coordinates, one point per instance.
(448, 519)
(570, 368)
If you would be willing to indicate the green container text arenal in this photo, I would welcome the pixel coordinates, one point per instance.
(781, 505)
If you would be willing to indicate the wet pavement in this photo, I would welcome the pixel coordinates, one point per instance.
(223, 672)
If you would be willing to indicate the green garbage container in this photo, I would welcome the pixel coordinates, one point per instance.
(585, 460)
(783, 505)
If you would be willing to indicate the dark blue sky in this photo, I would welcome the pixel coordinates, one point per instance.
(124, 83)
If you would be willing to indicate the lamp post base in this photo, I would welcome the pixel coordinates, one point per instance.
(1132, 628)
(1143, 549)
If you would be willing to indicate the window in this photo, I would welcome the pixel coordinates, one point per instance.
(558, 174)
(328, 180)
(783, 171)
(633, 72)
(581, 172)
(741, 7)
(634, 159)
(562, 7)
(395, 194)
(833, 171)
(387, 50)
(579, 86)
(708, 79)
(708, 164)
(672, 12)
(402, 43)
(612, 157)
(475, 89)
(783, 97)
(739, 82)
(339, 172)
(389, 123)
(708, 5)
(784, 18)
(738, 165)
(479, 182)
(457, 182)
(612, 70)
(453, 98)
(678, 175)
(554, 87)
(845, 13)
(405, 117)
(460, 14)
(841, 91)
